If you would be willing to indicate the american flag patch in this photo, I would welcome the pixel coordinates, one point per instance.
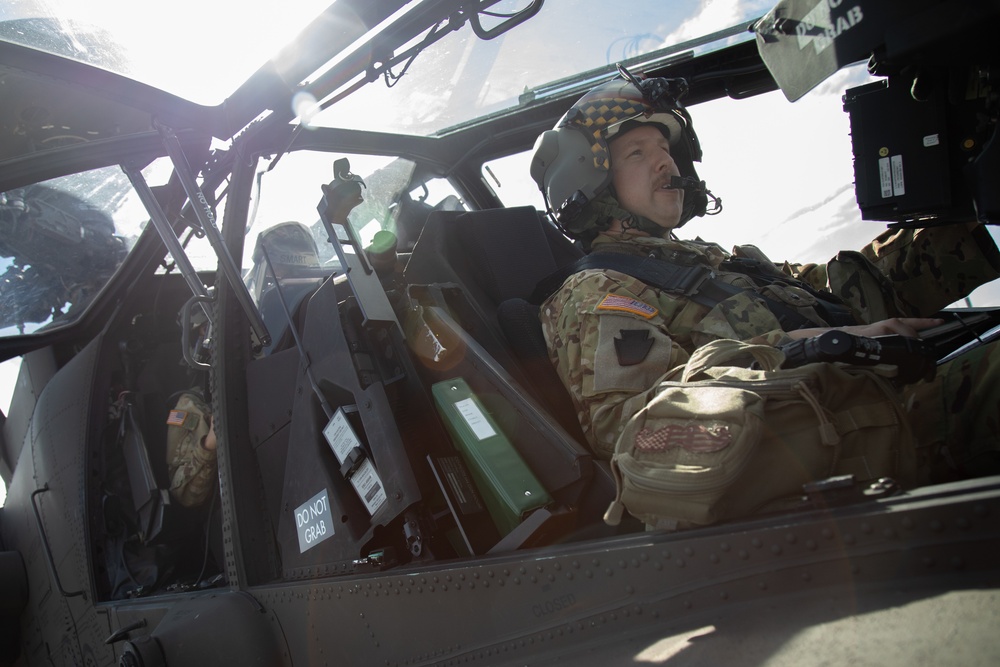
(176, 418)
(625, 304)
(693, 438)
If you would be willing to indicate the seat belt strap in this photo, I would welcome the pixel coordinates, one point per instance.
(696, 281)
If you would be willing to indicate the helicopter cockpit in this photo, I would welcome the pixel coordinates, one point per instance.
(344, 276)
(399, 404)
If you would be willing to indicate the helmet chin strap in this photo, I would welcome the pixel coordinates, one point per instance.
(600, 213)
(630, 220)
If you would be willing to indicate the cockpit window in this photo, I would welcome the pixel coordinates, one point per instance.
(105, 34)
(393, 201)
(510, 180)
(62, 240)
(528, 64)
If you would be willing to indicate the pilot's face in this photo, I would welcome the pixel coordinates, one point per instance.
(641, 167)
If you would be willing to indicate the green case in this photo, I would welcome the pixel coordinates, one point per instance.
(509, 488)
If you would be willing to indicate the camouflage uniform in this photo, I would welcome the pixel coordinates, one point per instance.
(613, 338)
(191, 467)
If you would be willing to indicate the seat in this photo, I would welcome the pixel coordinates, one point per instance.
(293, 291)
(494, 259)
(494, 254)
(497, 257)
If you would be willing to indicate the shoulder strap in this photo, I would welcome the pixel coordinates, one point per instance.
(831, 307)
(695, 281)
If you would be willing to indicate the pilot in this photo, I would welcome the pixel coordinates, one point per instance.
(191, 450)
(618, 173)
(287, 254)
(291, 252)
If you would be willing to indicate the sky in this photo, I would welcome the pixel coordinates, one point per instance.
(228, 39)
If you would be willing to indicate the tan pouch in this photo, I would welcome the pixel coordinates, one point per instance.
(723, 441)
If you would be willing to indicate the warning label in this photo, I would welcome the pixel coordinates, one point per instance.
(313, 521)
(364, 479)
(341, 436)
(475, 418)
(898, 187)
(369, 487)
(885, 177)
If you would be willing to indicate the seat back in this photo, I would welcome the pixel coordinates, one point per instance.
(494, 259)
(498, 256)
(494, 254)
(292, 291)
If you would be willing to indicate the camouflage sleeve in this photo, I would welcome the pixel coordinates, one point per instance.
(191, 467)
(813, 275)
(740, 317)
(933, 267)
(907, 272)
(608, 338)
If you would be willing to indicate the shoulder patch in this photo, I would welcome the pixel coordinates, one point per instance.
(176, 418)
(627, 305)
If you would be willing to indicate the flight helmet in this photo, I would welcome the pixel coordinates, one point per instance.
(291, 252)
(572, 162)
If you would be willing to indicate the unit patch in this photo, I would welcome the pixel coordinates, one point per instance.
(627, 305)
(632, 346)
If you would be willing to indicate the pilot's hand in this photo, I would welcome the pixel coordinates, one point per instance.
(209, 442)
(904, 326)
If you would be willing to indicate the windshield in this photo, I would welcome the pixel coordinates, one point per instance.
(291, 192)
(200, 51)
(63, 239)
(565, 38)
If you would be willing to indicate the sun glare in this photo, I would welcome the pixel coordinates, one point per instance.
(199, 49)
(665, 649)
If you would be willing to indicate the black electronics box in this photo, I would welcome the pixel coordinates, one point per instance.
(902, 167)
